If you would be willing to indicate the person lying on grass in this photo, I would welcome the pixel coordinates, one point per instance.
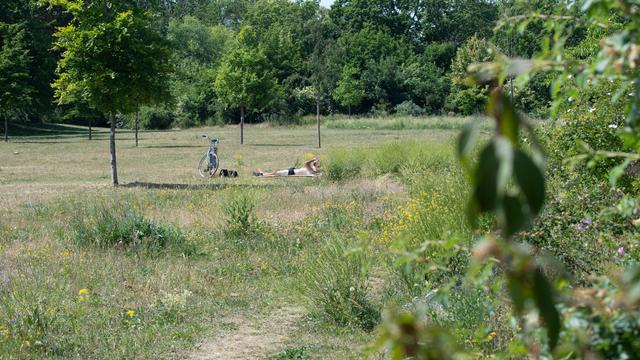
(310, 168)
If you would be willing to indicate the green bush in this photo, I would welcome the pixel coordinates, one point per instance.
(588, 117)
(112, 227)
(408, 108)
(468, 101)
(299, 353)
(335, 284)
(240, 216)
(389, 158)
(343, 164)
(463, 98)
(150, 118)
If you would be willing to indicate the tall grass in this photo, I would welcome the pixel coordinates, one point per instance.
(391, 158)
(335, 284)
(108, 226)
(401, 123)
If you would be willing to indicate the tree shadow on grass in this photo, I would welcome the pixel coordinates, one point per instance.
(170, 186)
(172, 146)
(276, 145)
(45, 130)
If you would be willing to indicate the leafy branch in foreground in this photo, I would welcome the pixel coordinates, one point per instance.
(508, 181)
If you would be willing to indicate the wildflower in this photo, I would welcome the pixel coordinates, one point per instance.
(621, 251)
(491, 336)
(613, 126)
(83, 292)
(131, 313)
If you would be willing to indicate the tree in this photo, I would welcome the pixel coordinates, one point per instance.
(197, 54)
(112, 59)
(245, 79)
(456, 21)
(15, 89)
(322, 62)
(464, 98)
(349, 91)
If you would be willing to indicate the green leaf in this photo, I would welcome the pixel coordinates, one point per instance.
(530, 178)
(543, 296)
(617, 172)
(468, 138)
(517, 291)
(486, 193)
(492, 174)
(515, 217)
(508, 121)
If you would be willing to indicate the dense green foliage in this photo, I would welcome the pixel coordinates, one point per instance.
(376, 57)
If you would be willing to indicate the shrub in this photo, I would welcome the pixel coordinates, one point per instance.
(408, 108)
(106, 227)
(154, 118)
(463, 98)
(588, 117)
(389, 158)
(335, 284)
(299, 353)
(343, 164)
(240, 214)
(468, 101)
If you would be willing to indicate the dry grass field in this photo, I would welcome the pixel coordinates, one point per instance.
(170, 265)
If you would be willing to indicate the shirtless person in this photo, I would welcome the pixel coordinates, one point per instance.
(310, 168)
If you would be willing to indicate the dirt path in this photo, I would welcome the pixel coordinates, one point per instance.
(252, 337)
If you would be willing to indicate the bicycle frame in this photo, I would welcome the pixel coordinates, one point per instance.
(213, 150)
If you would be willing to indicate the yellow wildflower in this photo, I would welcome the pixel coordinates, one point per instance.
(491, 336)
(131, 313)
(83, 292)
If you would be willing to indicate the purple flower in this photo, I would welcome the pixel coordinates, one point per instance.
(621, 250)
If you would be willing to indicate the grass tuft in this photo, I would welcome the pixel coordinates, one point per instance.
(335, 284)
(108, 227)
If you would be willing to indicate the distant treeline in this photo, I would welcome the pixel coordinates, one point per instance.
(360, 56)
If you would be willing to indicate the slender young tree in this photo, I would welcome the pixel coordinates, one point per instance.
(245, 79)
(113, 56)
(15, 88)
(350, 90)
(322, 63)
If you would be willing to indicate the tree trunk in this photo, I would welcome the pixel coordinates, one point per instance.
(90, 135)
(6, 129)
(349, 110)
(241, 125)
(318, 121)
(137, 121)
(112, 149)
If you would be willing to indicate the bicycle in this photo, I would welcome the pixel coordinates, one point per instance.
(209, 163)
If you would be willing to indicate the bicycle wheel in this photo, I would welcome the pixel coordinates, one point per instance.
(205, 169)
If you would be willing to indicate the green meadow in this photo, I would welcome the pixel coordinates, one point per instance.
(171, 265)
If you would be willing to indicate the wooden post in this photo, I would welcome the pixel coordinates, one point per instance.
(112, 149)
(6, 129)
(90, 121)
(137, 121)
(241, 125)
(318, 120)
